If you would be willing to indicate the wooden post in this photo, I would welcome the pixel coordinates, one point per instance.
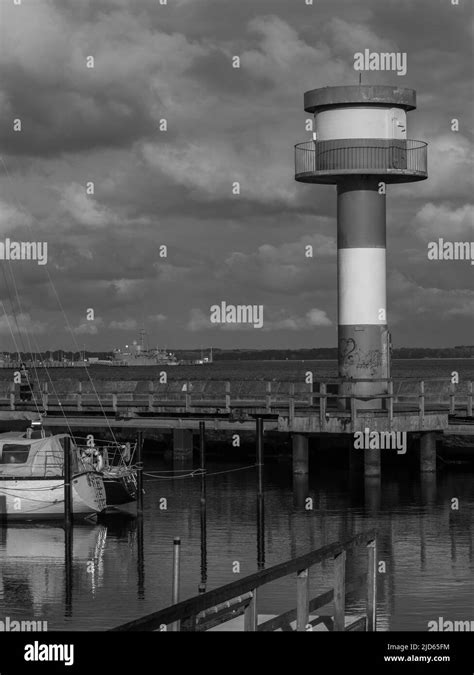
(291, 405)
(227, 396)
(372, 586)
(12, 396)
(44, 396)
(67, 482)
(79, 395)
(175, 583)
(390, 403)
(251, 614)
(340, 591)
(187, 397)
(268, 398)
(469, 399)
(139, 474)
(302, 600)
(322, 405)
(114, 402)
(151, 391)
(422, 401)
(452, 398)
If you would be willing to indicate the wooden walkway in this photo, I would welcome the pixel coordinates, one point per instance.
(240, 598)
(294, 407)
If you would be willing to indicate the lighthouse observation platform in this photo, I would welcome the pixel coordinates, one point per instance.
(329, 161)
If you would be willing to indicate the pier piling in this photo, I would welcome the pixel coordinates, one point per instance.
(372, 462)
(182, 445)
(300, 454)
(428, 452)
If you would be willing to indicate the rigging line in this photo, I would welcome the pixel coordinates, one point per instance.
(15, 345)
(56, 394)
(63, 312)
(102, 409)
(7, 286)
(26, 328)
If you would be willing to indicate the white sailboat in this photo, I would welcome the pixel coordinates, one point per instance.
(32, 478)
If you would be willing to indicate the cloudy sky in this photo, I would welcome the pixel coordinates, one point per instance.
(173, 188)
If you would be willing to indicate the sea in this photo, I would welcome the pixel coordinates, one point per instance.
(119, 571)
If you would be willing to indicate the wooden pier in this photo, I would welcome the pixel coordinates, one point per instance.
(427, 408)
(226, 604)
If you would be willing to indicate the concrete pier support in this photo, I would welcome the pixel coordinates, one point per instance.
(300, 490)
(372, 463)
(428, 452)
(182, 444)
(300, 454)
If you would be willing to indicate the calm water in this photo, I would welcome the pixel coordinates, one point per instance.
(427, 547)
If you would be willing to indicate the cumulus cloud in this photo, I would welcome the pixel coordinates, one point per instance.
(21, 324)
(127, 324)
(272, 320)
(89, 327)
(224, 125)
(442, 221)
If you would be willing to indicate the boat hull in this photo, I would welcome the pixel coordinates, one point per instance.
(120, 487)
(29, 498)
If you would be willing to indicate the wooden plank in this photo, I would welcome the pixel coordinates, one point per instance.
(339, 591)
(302, 600)
(218, 615)
(372, 585)
(227, 396)
(357, 625)
(188, 624)
(251, 614)
(316, 603)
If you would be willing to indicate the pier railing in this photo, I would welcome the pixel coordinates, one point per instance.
(333, 396)
(207, 610)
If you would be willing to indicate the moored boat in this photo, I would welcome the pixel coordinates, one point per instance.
(32, 478)
(114, 461)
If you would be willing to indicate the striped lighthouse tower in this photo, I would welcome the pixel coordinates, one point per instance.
(360, 144)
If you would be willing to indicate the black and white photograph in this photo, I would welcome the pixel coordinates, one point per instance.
(236, 331)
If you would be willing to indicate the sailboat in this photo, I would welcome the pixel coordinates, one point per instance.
(32, 477)
(114, 461)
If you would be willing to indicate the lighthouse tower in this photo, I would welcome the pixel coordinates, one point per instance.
(360, 144)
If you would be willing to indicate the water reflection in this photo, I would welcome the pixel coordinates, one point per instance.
(95, 577)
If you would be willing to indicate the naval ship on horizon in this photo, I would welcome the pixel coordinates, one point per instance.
(141, 355)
